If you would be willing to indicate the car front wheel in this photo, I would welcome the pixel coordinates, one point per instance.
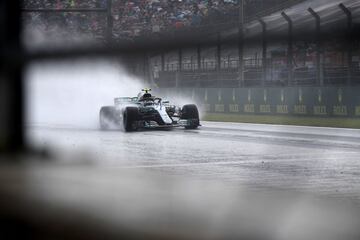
(130, 116)
(190, 112)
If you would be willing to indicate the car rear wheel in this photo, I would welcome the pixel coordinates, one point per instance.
(130, 116)
(190, 112)
(106, 117)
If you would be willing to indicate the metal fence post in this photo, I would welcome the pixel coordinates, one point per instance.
(198, 54)
(178, 79)
(180, 60)
(349, 41)
(218, 52)
(264, 50)
(241, 43)
(290, 54)
(319, 63)
(218, 59)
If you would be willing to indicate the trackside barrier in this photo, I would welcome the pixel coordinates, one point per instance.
(301, 101)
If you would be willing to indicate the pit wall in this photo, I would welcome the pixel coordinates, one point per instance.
(300, 101)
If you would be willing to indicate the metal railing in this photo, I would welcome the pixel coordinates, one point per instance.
(255, 74)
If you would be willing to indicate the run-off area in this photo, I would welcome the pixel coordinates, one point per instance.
(312, 160)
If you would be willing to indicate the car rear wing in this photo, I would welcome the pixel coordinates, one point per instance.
(125, 100)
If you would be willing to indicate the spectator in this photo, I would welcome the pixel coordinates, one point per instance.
(134, 17)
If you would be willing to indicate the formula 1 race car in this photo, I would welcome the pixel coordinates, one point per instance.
(147, 111)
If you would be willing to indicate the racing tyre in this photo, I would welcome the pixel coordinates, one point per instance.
(106, 117)
(131, 115)
(191, 113)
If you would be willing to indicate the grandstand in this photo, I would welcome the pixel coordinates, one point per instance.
(229, 43)
(313, 49)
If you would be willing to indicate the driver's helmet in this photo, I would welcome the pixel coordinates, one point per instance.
(145, 96)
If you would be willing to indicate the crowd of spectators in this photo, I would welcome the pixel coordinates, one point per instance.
(67, 24)
(60, 4)
(137, 17)
(133, 18)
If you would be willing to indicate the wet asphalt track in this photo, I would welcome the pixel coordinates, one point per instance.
(324, 161)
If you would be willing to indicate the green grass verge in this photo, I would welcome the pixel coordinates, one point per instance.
(285, 120)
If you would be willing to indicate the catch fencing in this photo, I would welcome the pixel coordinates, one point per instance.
(300, 101)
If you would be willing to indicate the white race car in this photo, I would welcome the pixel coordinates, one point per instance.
(147, 111)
